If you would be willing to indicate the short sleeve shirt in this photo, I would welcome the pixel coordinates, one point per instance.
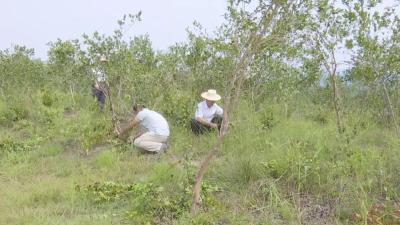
(99, 74)
(208, 113)
(153, 122)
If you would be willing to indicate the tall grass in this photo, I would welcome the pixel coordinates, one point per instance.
(274, 166)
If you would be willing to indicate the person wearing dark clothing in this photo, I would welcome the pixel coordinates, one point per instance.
(99, 94)
(99, 89)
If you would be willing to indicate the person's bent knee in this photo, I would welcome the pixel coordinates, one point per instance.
(194, 122)
(195, 126)
(138, 144)
(217, 119)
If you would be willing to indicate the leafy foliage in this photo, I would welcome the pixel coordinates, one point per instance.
(149, 203)
(282, 160)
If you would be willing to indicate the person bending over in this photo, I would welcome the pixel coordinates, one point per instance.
(154, 138)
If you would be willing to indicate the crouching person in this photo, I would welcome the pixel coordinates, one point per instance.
(154, 138)
(208, 114)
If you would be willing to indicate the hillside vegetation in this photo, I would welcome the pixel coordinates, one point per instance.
(309, 141)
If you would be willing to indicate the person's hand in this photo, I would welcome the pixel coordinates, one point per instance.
(214, 125)
(137, 136)
(117, 131)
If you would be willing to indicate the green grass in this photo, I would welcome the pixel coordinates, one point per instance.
(272, 169)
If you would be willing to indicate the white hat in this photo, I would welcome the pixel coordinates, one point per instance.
(103, 58)
(211, 95)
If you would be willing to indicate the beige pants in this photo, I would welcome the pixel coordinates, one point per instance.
(150, 142)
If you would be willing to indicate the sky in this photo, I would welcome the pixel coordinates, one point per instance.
(35, 23)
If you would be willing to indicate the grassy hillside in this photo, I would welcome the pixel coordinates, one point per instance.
(60, 164)
(310, 90)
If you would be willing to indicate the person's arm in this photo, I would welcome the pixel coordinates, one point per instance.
(199, 118)
(219, 111)
(138, 134)
(206, 123)
(120, 132)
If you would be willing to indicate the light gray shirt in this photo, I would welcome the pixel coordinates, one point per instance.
(206, 112)
(153, 122)
(99, 74)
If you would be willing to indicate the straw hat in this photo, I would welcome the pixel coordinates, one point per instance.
(211, 95)
(101, 78)
(103, 58)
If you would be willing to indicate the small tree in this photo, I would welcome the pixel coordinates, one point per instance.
(330, 28)
(65, 64)
(248, 33)
(377, 62)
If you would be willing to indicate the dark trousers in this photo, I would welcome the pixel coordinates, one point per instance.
(100, 96)
(199, 128)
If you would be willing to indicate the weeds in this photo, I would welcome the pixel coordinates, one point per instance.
(147, 202)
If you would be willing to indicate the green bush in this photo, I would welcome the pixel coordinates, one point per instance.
(274, 168)
(13, 114)
(149, 203)
(320, 116)
(48, 99)
(11, 145)
(94, 130)
(20, 112)
(267, 119)
(178, 107)
(47, 116)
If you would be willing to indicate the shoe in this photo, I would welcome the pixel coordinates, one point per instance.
(164, 147)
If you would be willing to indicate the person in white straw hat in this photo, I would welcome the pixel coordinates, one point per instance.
(208, 114)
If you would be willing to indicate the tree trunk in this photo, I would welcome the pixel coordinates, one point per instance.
(114, 118)
(120, 88)
(335, 89)
(233, 94)
(71, 90)
(391, 109)
(204, 166)
(336, 103)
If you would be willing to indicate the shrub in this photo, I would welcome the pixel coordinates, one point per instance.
(47, 115)
(320, 116)
(10, 145)
(13, 114)
(267, 119)
(48, 99)
(95, 130)
(149, 203)
(178, 107)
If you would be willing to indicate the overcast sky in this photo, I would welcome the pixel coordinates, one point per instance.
(34, 23)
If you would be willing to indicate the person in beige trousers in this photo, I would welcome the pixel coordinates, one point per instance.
(154, 138)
